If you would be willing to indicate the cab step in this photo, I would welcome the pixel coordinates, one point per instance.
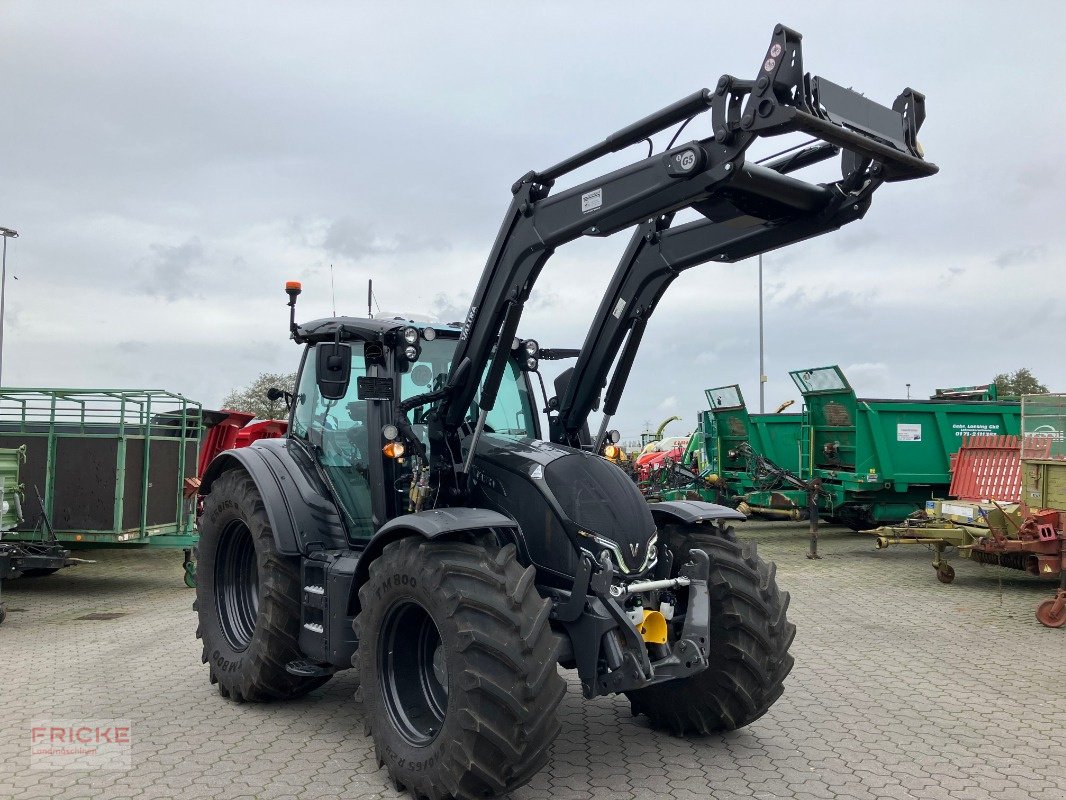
(306, 668)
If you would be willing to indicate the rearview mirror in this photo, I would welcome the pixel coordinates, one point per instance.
(274, 394)
(333, 362)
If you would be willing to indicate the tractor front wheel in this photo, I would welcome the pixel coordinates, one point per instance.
(247, 597)
(458, 668)
(747, 656)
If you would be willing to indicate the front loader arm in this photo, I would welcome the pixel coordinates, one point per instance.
(537, 223)
(657, 254)
(709, 174)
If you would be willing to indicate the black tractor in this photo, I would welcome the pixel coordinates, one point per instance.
(415, 526)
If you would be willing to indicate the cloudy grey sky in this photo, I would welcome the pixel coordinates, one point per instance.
(169, 166)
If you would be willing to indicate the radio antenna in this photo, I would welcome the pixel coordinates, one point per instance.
(369, 296)
(333, 290)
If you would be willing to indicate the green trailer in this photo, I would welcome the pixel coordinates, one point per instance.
(110, 465)
(879, 460)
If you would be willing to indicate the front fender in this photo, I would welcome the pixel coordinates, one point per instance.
(302, 515)
(437, 523)
(688, 512)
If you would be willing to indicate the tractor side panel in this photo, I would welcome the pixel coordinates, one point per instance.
(547, 545)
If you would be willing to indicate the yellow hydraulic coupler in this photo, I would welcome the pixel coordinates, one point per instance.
(653, 628)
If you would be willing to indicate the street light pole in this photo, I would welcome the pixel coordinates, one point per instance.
(762, 367)
(6, 233)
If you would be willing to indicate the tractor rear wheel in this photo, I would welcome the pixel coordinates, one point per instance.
(247, 597)
(458, 668)
(748, 651)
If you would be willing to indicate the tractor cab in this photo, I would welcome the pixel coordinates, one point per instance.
(350, 410)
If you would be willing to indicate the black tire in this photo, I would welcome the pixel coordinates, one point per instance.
(750, 637)
(247, 597)
(458, 668)
(38, 573)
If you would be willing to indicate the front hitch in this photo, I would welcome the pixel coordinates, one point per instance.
(611, 656)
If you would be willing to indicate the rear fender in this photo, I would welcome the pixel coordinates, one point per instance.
(301, 513)
(436, 524)
(689, 512)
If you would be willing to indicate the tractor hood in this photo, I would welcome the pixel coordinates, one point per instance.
(598, 504)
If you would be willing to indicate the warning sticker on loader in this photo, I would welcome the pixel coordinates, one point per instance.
(909, 432)
(590, 201)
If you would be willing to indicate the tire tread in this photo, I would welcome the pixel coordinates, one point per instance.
(509, 698)
(750, 638)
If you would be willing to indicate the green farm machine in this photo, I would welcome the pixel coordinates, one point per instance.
(41, 553)
(866, 461)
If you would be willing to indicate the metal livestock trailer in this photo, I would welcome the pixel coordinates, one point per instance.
(111, 465)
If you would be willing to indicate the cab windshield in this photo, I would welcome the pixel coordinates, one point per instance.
(513, 412)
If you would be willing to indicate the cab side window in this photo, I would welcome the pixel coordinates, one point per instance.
(337, 429)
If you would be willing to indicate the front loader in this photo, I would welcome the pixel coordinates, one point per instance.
(414, 525)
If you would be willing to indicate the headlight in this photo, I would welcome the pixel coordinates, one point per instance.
(531, 364)
(429, 334)
(410, 335)
(531, 347)
(390, 432)
(410, 352)
(651, 555)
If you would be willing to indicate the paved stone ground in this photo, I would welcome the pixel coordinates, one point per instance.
(903, 688)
